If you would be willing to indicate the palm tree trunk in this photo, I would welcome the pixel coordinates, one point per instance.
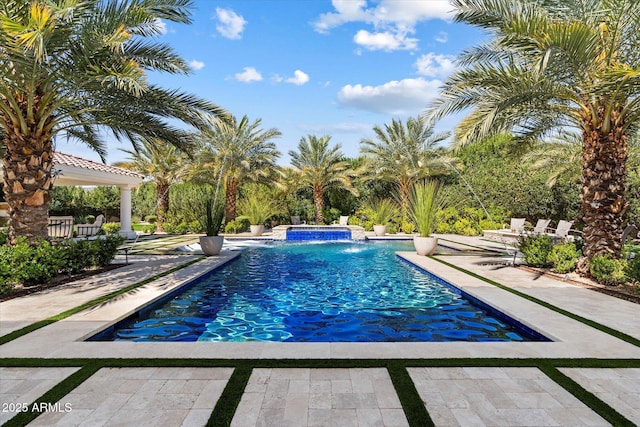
(603, 196)
(318, 202)
(162, 201)
(231, 194)
(404, 188)
(27, 165)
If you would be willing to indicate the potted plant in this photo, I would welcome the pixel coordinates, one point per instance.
(425, 202)
(211, 221)
(383, 212)
(257, 209)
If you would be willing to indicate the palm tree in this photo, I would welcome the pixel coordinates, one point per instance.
(239, 151)
(551, 65)
(405, 154)
(163, 163)
(561, 157)
(77, 68)
(321, 168)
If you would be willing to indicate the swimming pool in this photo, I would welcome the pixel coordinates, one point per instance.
(323, 292)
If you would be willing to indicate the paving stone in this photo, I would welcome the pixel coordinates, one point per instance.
(619, 388)
(21, 386)
(503, 397)
(142, 397)
(319, 397)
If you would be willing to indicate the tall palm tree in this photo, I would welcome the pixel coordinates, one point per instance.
(405, 154)
(322, 167)
(76, 68)
(163, 163)
(557, 64)
(239, 151)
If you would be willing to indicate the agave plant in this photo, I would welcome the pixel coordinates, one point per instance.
(425, 201)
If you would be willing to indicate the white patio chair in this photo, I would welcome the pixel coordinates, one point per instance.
(344, 220)
(88, 230)
(541, 226)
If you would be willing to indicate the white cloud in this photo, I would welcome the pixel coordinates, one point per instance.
(161, 26)
(385, 41)
(249, 75)
(434, 65)
(391, 20)
(299, 78)
(400, 13)
(196, 65)
(329, 129)
(404, 97)
(442, 37)
(230, 24)
(346, 11)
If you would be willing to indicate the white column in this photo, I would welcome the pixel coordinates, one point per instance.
(125, 212)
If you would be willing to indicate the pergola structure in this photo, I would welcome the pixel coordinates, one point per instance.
(71, 170)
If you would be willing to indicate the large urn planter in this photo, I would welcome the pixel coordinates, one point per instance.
(256, 230)
(380, 230)
(211, 245)
(425, 245)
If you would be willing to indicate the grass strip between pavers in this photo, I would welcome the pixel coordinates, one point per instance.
(412, 405)
(414, 409)
(89, 304)
(52, 396)
(586, 397)
(613, 332)
(229, 400)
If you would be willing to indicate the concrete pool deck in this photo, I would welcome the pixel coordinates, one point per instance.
(327, 396)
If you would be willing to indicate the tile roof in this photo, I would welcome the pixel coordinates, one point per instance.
(75, 161)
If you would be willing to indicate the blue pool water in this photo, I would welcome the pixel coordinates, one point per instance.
(337, 292)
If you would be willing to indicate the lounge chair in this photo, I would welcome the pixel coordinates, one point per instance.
(295, 220)
(60, 227)
(88, 230)
(562, 231)
(541, 227)
(515, 230)
(344, 220)
(126, 246)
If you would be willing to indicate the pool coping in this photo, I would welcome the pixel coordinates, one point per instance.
(572, 339)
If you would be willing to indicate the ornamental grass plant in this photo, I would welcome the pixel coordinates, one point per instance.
(256, 208)
(425, 201)
(383, 211)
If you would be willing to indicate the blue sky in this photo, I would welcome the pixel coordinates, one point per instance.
(316, 67)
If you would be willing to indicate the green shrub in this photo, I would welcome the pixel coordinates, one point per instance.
(238, 225)
(33, 265)
(607, 270)
(464, 226)
(111, 228)
(392, 228)
(150, 229)
(468, 221)
(632, 255)
(78, 255)
(151, 219)
(564, 257)
(4, 236)
(536, 250)
(106, 249)
(407, 227)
